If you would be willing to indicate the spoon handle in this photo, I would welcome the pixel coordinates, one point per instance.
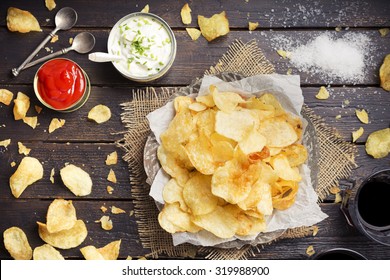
(16, 71)
(52, 55)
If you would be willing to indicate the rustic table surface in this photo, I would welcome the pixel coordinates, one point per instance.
(87, 144)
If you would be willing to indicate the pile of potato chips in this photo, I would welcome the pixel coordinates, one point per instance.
(232, 161)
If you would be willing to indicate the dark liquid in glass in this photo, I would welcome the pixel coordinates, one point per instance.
(338, 256)
(374, 203)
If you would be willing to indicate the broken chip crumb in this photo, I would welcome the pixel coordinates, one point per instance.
(112, 158)
(315, 230)
(23, 149)
(13, 164)
(55, 124)
(31, 121)
(289, 71)
(357, 134)
(70, 40)
(50, 4)
(284, 54)
(106, 223)
(142, 259)
(145, 9)
(131, 213)
(52, 176)
(334, 190)
(129, 258)
(103, 209)
(5, 143)
(338, 198)
(110, 189)
(54, 39)
(38, 109)
(338, 117)
(111, 176)
(6, 96)
(185, 14)
(323, 93)
(384, 31)
(338, 28)
(310, 250)
(194, 33)
(252, 25)
(362, 115)
(117, 210)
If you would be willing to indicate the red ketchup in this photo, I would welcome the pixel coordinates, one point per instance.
(61, 83)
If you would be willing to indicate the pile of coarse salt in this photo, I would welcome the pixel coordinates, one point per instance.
(343, 59)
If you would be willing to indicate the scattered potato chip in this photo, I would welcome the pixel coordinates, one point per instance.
(362, 115)
(323, 93)
(6, 96)
(22, 104)
(21, 21)
(252, 25)
(185, 14)
(23, 149)
(50, 4)
(117, 210)
(338, 198)
(112, 158)
(106, 223)
(129, 258)
(52, 176)
(99, 113)
(55, 124)
(110, 189)
(384, 31)
(5, 143)
(145, 9)
(16, 243)
(384, 73)
(111, 176)
(28, 172)
(61, 215)
(284, 54)
(356, 134)
(31, 121)
(214, 27)
(378, 143)
(38, 109)
(334, 190)
(338, 117)
(70, 41)
(54, 39)
(13, 164)
(111, 250)
(91, 253)
(310, 250)
(103, 209)
(46, 252)
(315, 230)
(64, 239)
(194, 33)
(76, 180)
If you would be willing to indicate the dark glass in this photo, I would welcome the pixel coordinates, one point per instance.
(339, 254)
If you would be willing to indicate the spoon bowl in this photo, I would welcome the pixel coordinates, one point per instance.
(65, 18)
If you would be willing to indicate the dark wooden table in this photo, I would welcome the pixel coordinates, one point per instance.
(87, 144)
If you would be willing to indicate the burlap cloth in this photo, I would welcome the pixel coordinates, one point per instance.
(335, 158)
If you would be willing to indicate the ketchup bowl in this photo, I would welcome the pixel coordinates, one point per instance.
(62, 85)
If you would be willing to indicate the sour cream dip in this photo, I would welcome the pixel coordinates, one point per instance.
(146, 45)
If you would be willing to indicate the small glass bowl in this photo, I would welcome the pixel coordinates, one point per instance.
(164, 70)
(75, 106)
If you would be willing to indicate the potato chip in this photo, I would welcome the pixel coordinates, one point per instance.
(384, 73)
(247, 225)
(225, 101)
(197, 107)
(54, 39)
(99, 113)
(357, 134)
(109, 189)
(22, 104)
(194, 33)
(111, 250)
(207, 100)
(38, 109)
(205, 122)
(112, 158)
(221, 222)
(23, 149)
(29, 171)
(310, 250)
(117, 210)
(103, 209)
(171, 166)
(16, 243)
(362, 115)
(91, 253)
(278, 132)
(52, 176)
(76, 180)
(21, 21)
(166, 224)
(173, 192)
(198, 151)
(198, 196)
(5, 143)
(145, 9)
(252, 25)
(259, 156)
(181, 103)
(296, 154)
(50, 4)
(283, 169)
(253, 142)
(180, 220)
(222, 151)
(259, 199)
(31, 121)
(46, 252)
(284, 54)
(315, 230)
(283, 194)
(214, 27)
(6, 96)
(185, 14)
(271, 100)
(255, 103)
(378, 143)
(111, 176)
(323, 93)
(13, 164)
(55, 124)
(384, 31)
(235, 125)
(64, 239)
(61, 215)
(105, 223)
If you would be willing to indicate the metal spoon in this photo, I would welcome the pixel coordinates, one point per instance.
(82, 43)
(65, 19)
(103, 57)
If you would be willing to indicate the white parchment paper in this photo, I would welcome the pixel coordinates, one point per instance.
(305, 211)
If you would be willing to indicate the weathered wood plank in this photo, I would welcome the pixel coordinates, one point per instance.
(270, 14)
(192, 59)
